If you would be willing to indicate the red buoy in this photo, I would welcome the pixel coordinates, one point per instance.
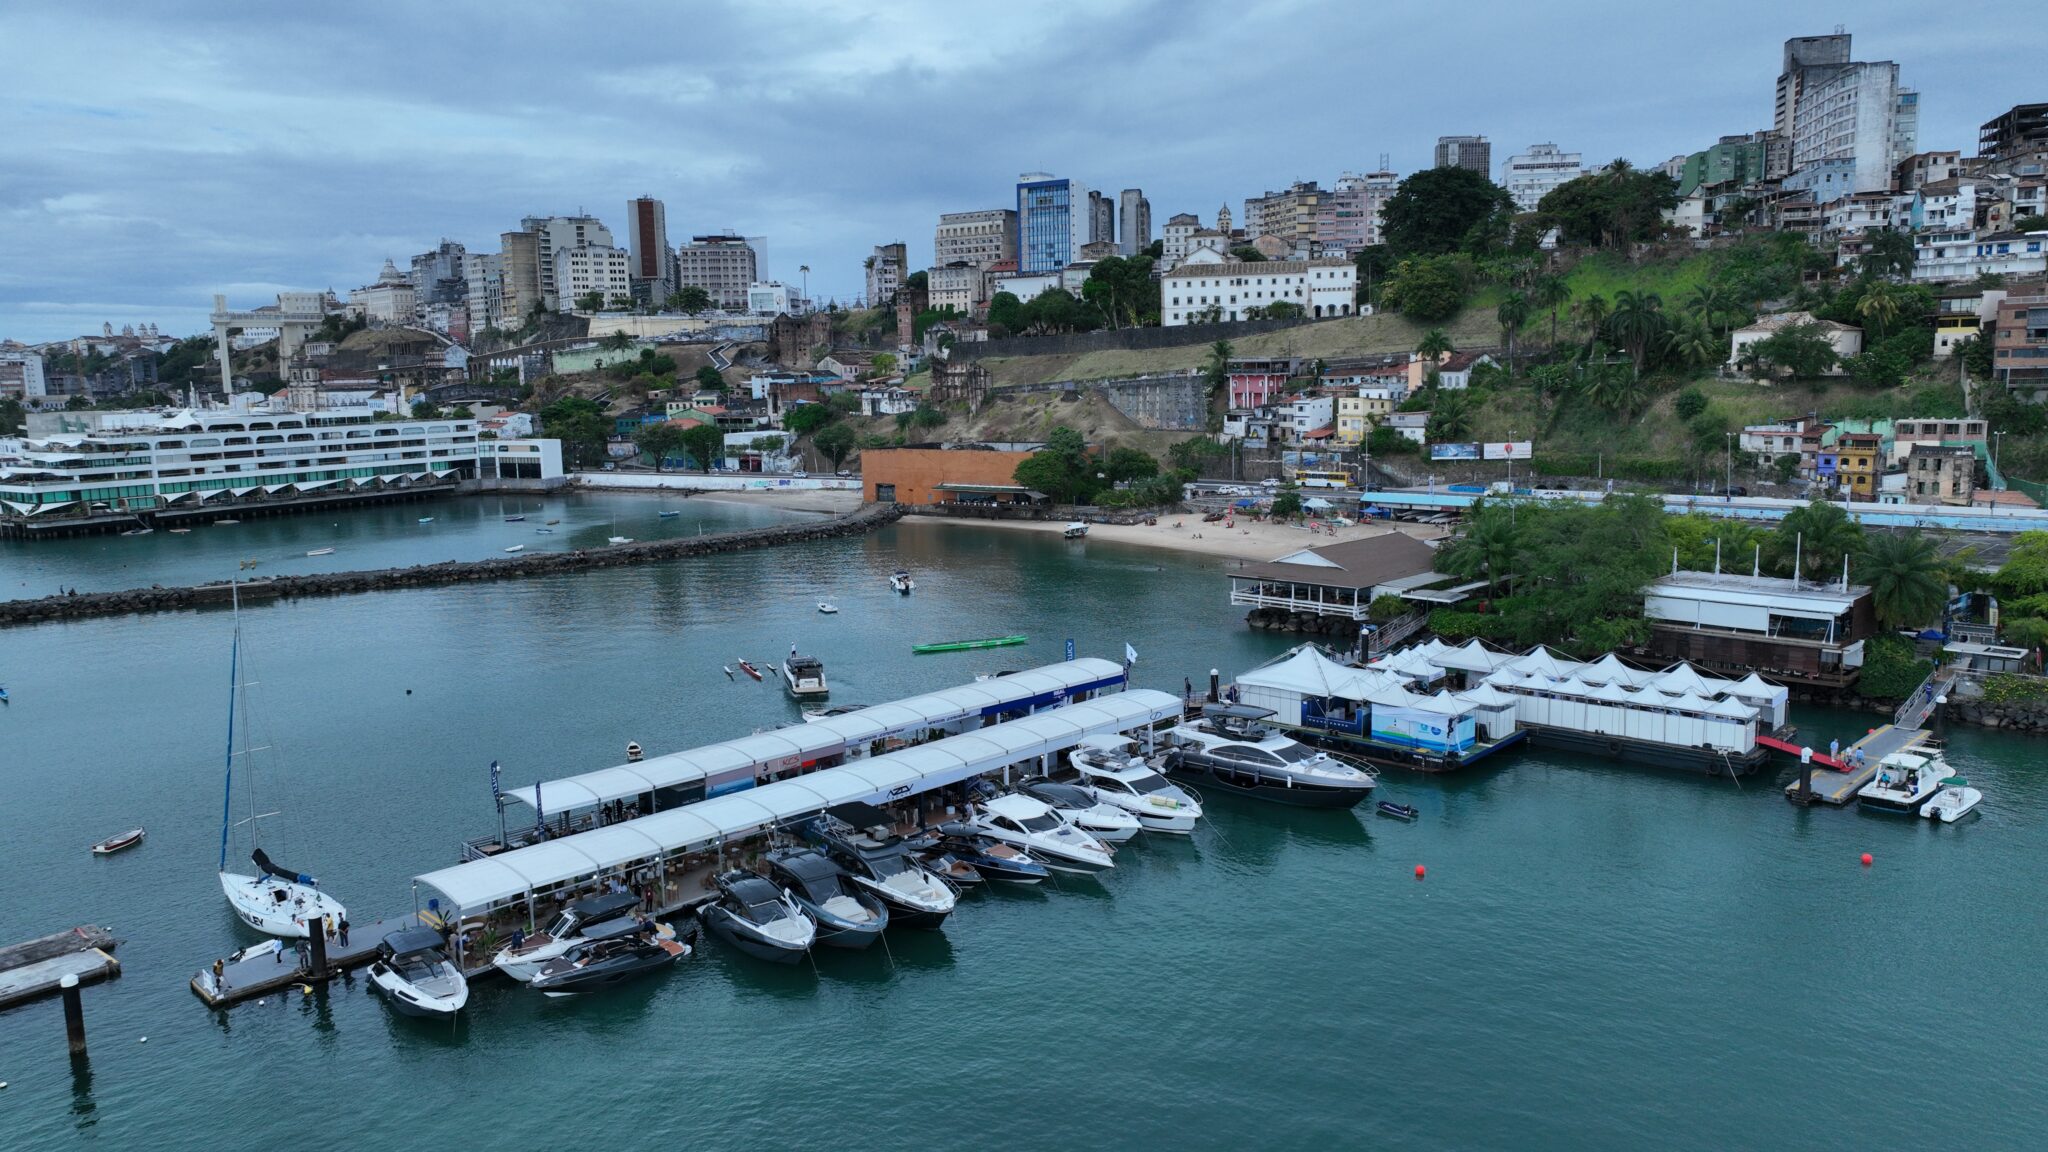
(1420, 871)
(1866, 859)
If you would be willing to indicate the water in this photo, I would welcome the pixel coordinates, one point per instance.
(372, 536)
(1598, 958)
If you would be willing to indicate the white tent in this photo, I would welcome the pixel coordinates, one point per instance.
(1542, 663)
(1610, 670)
(1309, 673)
(1471, 656)
(1680, 678)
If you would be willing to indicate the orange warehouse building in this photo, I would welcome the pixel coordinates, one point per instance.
(944, 476)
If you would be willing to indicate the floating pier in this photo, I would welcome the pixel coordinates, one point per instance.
(37, 968)
(1838, 784)
(271, 972)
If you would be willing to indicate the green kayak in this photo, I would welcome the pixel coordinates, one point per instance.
(965, 645)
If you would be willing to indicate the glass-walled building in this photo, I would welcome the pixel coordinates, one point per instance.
(1050, 228)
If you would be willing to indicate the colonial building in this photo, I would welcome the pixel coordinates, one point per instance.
(1228, 290)
(391, 300)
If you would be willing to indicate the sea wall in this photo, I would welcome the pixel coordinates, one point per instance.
(160, 599)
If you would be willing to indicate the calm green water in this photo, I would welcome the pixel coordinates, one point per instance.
(378, 536)
(1598, 959)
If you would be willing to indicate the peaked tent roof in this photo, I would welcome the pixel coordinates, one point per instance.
(1311, 673)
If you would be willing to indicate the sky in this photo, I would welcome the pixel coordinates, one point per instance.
(157, 153)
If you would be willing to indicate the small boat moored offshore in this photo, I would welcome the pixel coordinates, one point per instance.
(846, 916)
(321, 552)
(516, 548)
(113, 844)
(426, 520)
(804, 676)
(900, 581)
(593, 917)
(1955, 801)
(670, 514)
(1074, 531)
(414, 973)
(968, 645)
(828, 609)
(1398, 811)
(749, 669)
(515, 519)
(758, 918)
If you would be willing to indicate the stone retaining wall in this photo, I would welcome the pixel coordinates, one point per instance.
(159, 599)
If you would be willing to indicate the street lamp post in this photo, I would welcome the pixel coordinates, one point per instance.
(1728, 481)
(1510, 454)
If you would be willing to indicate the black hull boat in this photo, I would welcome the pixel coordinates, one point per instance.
(993, 859)
(759, 919)
(1398, 811)
(847, 917)
(600, 965)
(1256, 786)
(856, 836)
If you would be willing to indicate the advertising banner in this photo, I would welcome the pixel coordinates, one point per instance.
(1510, 450)
(1454, 451)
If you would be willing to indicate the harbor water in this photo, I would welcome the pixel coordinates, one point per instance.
(1599, 958)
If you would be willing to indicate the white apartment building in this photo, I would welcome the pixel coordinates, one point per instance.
(1530, 175)
(956, 286)
(1173, 239)
(1303, 415)
(484, 273)
(598, 268)
(981, 238)
(1964, 254)
(768, 298)
(21, 375)
(1856, 113)
(1325, 287)
(1026, 285)
(554, 234)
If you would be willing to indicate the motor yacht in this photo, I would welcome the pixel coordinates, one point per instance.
(593, 917)
(1051, 839)
(804, 677)
(991, 858)
(900, 581)
(880, 862)
(1106, 822)
(596, 965)
(1111, 768)
(414, 974)
(758, 918)
(846, 916)
(1905, 782)
(1955, 801)
(1230, 749)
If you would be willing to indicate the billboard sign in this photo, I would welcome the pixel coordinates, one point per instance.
(1454, 451)
(1510, 450)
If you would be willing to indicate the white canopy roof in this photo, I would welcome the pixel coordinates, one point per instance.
(799, 744)
(1610, 670)
(1680, 678)
(1471, 656)
(479, 884)
(1542, 663)
(1755, 687)
(1311, 673)
(1487, 696)
(1611, 694)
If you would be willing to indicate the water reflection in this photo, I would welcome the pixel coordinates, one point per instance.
(82, 1104)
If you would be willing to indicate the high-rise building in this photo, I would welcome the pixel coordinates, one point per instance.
(1805, 56)
(983, 238)
(1134, 223)
(723, 265)
(484, 290)
(1101, 219)
(21, 374)
(653, 270)
(885, 272)
(1530, 175)
(518, 276)
(1349, 217)
(1847, 127)
(1471, 152)
(437, 276)
(2016, 141)
(557, 233)
(1288, 215)
(1053, 221)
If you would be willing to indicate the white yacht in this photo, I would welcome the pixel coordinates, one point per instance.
(1231, 748)
(1955, 801)
(1033, 826)
(1114, 771)
(1106, 822)
(1075, 530)
(1906, 780)
(804, 676)
(900, 581)
(414, 973)
(583, 920)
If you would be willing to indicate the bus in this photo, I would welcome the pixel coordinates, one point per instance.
(1315, 478)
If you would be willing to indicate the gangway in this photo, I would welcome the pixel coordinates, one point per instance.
(1794, 750)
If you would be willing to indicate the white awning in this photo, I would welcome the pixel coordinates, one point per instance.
(479, 884)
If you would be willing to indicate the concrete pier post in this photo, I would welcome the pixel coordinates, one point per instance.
(74, 1014)
(1215, 685)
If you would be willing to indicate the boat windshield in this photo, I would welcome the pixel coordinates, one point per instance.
(1043, 823)
(1294, 753)
(1150, 782)
(766, 912)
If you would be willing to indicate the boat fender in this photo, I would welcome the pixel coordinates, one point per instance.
(1614, 747)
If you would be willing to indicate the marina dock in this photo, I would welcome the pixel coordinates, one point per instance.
(1838, 788)
(35, 968)
(271, 972)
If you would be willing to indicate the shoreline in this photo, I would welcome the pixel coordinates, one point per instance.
(1246, 540)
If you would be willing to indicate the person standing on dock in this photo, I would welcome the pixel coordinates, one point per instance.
(343, 925)
(1834, 749)
(220, 977)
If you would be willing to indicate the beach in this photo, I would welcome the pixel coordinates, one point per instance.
(1244, 539)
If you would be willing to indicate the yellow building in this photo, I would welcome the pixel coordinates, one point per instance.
(1357, 415)
(1857, 457)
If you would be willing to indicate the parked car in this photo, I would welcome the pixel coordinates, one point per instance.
(800, 474)
(844, 474)
(1269, 482)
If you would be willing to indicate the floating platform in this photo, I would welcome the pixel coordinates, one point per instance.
(1838, 788)
(273, 972)
(1386, 754)
(40, 978)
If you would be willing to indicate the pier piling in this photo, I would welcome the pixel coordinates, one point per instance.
(1215, 685)
(316, 967)
(74, 1014)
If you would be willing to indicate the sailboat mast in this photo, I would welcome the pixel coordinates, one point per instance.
(227, 798)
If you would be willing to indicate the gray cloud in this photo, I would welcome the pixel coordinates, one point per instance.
(163, 152)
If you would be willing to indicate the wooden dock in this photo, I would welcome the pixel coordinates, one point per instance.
(271, 972)
(1839, 788)
(33, 968)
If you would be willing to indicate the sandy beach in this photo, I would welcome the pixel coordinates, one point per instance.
(834, 502)
(1245, 540)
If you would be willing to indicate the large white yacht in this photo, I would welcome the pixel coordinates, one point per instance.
(1035, 827)
(1906, 780)
(1113, 769)
(1231, 749)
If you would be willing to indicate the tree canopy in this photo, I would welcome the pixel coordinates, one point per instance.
(1433, 210)
(1611, 208)
(581, 427)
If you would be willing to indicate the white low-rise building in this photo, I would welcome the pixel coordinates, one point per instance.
(1964, 254)
(1208, 285)
(768, 298)
(598, 268)
(1846, 341)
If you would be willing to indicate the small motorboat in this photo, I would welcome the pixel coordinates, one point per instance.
(321, 552)
(414, 973)
(1050, 837)
(180, 531)
(813, 715)
(1074, 531)
(804, 677)
(544, 531)
(758, 918)
(1955, 801)
(992, 859)
(749, 669)
(900, 581)
(948, 867)
(426, 520)
(228, 520)
(618, 539)
(138, 532)
(1398, 811)
(1905, 783)
(3, 696)
(551, 521)
(591, 918)
(1104, 821)
(828, 609)
(514, 519)
(846, 916)
(670, 515)
(516, 548)
(113, 844)
(595, 965)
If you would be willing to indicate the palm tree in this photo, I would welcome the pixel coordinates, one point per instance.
(1821, 534)
(1690, 342)
(1450, 417)
(1486, 551)
(1879, 306)
(1434, 345)
(1551, 292)
(1712, 302)
(1637, 321)
(1593, 310)
(1904, 574)
(1512, 314)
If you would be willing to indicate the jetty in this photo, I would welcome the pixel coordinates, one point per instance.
(36, 968)
(269, 972)
(1850, 772)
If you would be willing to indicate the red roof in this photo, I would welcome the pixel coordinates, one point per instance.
(1318, 434)
(686, 423)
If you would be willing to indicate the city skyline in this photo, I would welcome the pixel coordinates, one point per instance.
(165, 153)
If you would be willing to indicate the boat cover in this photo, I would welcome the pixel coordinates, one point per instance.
(264, 862)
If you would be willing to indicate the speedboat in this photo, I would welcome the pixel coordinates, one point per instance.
(321, 552)
(618, 539)
(828, 609)
(1035, 827)
(514, 519)
(670, 514)
(758, 918)
(278, 901)
(414, 973)
(595, 965)
(1230, 749)
(1106, 822)
(804, 676)
(426, 519)
(1906, 780)
(1111, 768)
(900, 581)
(593, 917)
(516, 548)
(846, 916)
(813, 715)
(543, 531)
(1955, 801)
(1398, 811)
(138, 532)
(947, 866)
(857, 836)
(113, 844)
(1074, 531)
(991, 858)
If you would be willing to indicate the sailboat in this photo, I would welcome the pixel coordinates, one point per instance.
(615, 538)
(277, 900)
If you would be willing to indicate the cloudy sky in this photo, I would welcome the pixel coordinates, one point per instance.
(159, 152)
